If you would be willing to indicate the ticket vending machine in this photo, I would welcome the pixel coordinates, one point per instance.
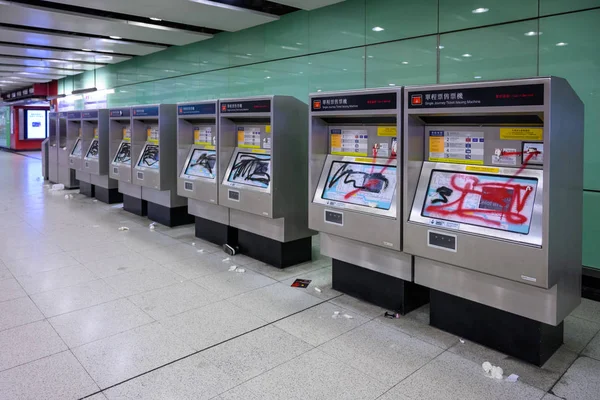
(67, 138)
(263, 145)
(96, 157)
(493, 209)
(154, 127)
(355, 198)
(53, 147)
(198, 163)
(123, 152)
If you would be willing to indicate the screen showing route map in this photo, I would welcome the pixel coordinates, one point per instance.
(368, 185)
(491, 201)
(202, 164)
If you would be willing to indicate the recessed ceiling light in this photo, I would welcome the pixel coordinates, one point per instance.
(116, 37)
(370, 56)
(404, 62)
(440, 47)
(480, 10)
(477, 77)
(377, 29)
(533, 33)
(86, 49)
(267, 77)
(561, 44)
(155, 19)
(467, 55)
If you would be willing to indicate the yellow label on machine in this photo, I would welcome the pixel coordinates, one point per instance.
(347, 153)
(79, 132)
(152, 136)
(436, 144)
(260, 151)
(390, 131)
(268, 129)
(210, 147)
(491, 170)
(521, 133)
(456, 161)
(249, 146)
(95, 133)
(365, 160)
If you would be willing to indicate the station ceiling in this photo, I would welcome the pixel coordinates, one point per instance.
(45, 40)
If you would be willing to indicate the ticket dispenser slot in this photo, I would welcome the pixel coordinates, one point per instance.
(492, 207)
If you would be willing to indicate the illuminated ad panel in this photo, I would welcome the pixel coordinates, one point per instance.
(491, 201)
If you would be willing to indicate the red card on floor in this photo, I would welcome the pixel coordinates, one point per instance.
(303, 283)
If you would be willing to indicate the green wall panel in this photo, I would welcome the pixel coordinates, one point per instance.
(494, 52)
(338, 26)
(558, 6)
(458, 14)
(5, 126)
(408, 62)
(400, 19)
(577, 59)
(337, 70)
(591, 229)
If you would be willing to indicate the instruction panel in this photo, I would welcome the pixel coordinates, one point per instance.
(349, 142)
(248, 138)
(461, 147)
(127, 134)
(203, 136)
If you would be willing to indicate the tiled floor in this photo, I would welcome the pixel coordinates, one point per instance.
(88, 311)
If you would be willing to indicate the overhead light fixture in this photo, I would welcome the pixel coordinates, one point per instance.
(267, 77)
(84, 91)
(466, 55)
(440, 47)
(369, 56)
(86, 49)
(155, 19)
(404, 62)
(377, 29)
(561, 44)
(533, 33)
(480, 10)
(115, 37)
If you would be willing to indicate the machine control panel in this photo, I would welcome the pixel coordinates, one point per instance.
(188, 186)
(442, 241)
(334, 217)
(233, 195)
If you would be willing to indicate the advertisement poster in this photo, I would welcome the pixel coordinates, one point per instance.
(36, 124)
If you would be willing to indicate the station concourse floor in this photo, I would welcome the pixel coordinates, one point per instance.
(89, 311)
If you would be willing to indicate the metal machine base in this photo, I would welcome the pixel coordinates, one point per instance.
(135, 206)
(512, 334)
(380, 289)
(86, 189)
(273, 252)
(216, 232)
(108, 196)
(169, 216)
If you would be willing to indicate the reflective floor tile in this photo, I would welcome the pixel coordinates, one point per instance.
(174, 299)
(193, 378)
(211, 324)
(244, 393)
(579, 332)
(128, 354)
(41, 263)
(4, 272)
(14, 254)
(179, 251)
(18, 312)
(256, 352)
(321, 323)
(142, 280)
(281, 274)
(119, 264)
(10, 289)
(55, 279)
(57, 377)
(89, 324)
(231, 283)
(358, 306)
(316, 375)
(72, 298)
(274, 302)
(382, 353)
(27, 343)
(99, 252)
(320, 279)
(450, 376)
(581, 381)
(593, 348)
(414, 325)
(588, 309)
(196, 267)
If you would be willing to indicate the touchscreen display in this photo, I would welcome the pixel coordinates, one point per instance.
(202, 164)
(77, 148)
(93, 151)
(491, 201)
(150, 157)
(368, 185)
(123, 156)
(251, 169)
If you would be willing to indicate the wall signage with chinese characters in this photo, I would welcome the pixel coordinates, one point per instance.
(378, 101)
(501, 96)
(197, 109)
(254, 106)
(121, 112)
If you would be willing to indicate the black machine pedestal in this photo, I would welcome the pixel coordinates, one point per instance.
(215, 232)
(108, 196)
(380, 289)
(86, 189)
(512, 334)
(273, 252)
(135, 206)
(168, 216)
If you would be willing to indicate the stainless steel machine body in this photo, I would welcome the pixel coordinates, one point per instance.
(198, 161)
(493, 196)
(355, 178)
(124, 150)
(154, 128)
(96, 156)
(263, 171)
(67, 137)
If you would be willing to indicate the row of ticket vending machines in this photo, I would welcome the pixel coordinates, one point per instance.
(466, 196)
